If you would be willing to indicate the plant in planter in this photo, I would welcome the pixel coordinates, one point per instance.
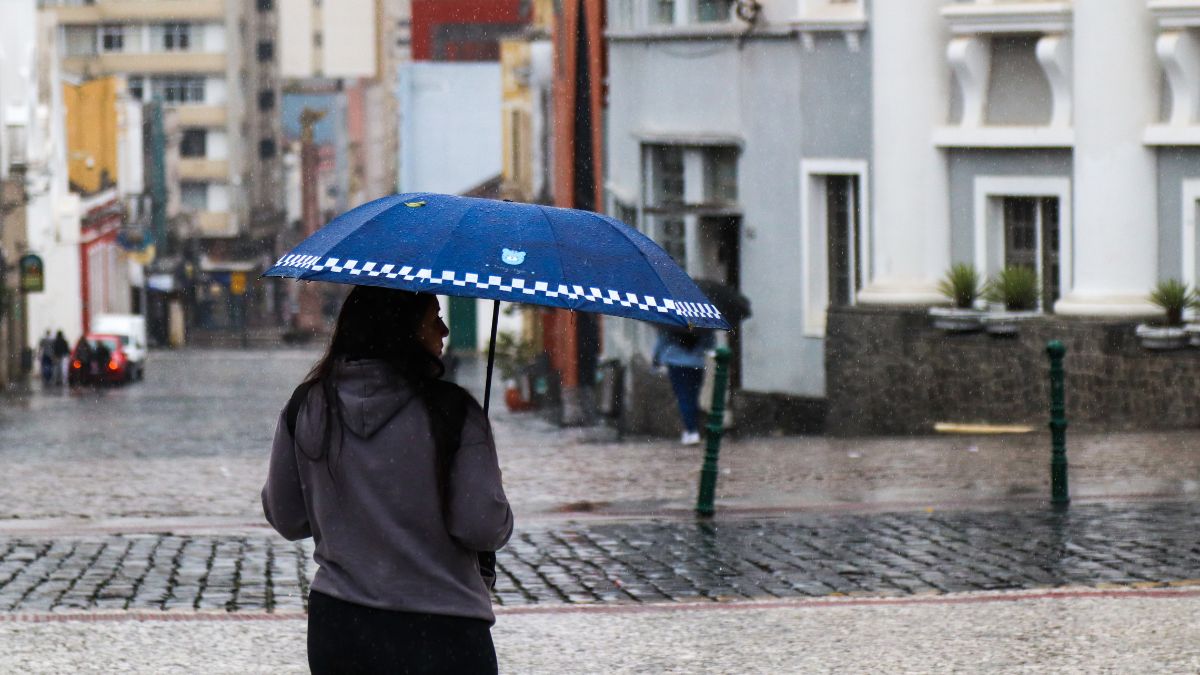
(513, 357)
(1173, 297)
(962, 285)
(1017, 289)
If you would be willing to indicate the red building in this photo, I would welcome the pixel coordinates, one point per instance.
(573, 339)
(464, 30)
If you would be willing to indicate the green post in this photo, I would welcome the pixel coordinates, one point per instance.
(716, 429)
(1058, 425)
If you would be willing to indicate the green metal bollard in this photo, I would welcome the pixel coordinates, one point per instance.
(1058, 425)
(716, 429)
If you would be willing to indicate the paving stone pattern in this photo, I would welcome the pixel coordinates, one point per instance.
(658, 561)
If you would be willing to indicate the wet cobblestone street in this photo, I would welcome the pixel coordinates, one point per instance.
(1138, 545)
(131, 535)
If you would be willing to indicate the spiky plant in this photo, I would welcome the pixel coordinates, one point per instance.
(1173, 296)
(962, 285)
(1015, 287)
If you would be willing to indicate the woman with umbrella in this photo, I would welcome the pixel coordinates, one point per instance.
(394, 473)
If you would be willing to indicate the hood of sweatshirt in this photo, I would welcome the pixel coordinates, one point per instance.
(370, 394)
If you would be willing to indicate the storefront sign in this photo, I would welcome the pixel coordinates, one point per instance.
(33, 274)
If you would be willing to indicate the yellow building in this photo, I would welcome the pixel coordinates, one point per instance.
(525, 85)
(92, 133)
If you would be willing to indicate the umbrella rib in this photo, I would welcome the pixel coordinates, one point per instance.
(562, 273)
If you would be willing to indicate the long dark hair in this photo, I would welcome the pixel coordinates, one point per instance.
(382, 324)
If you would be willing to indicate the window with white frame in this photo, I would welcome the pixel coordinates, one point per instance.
(136, 87)
(720, 174)
(692, 175)
(193, 195)
(672, 236)
(178, 89)
(194, 143)
(666, 175)
(112, 38)
(174, 37)
(79, 41)
(833, 250)
(713, 11)
(1031, 240)
(634, 14)
(662, 12)
(683, 186)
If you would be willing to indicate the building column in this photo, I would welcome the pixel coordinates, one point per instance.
(910, 217)
(1115, 248)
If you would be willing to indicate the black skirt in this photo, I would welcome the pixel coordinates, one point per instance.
(344, 637)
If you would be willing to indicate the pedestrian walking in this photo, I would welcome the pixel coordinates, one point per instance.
(62, 358)
(394, 474)
(85, 359)
(46, 358)
(101, 355)
(682, 353)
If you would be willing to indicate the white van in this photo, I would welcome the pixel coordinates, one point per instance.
(131, 329)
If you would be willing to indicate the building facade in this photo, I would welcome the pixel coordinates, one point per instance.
(213, 62)
(739, 138)
(841, 153)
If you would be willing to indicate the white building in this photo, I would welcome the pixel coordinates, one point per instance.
(848, 152)
(31, 108)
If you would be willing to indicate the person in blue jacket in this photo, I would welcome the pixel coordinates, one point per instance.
(682, 352)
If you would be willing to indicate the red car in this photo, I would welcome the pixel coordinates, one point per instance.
(84, 370)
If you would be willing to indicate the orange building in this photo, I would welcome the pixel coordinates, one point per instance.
(91, 127)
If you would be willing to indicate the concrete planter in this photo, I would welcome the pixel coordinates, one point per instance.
(955, 319)
(1162, 337)
(1193, 333)
(1005, 322)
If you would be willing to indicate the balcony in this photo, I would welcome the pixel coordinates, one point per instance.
(1013, 16)
(135, 11)
(201, 116)
(215, 224)
(200, 169)
(1178, 50)
(147, 63)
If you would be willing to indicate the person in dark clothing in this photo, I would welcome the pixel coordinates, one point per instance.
(101, 355)
(84, 357)
(62, 358)
(393, 472)
(46, 358)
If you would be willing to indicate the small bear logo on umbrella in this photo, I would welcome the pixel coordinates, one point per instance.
(512, 257)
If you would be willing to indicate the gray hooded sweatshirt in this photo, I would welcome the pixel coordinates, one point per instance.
(382, 537)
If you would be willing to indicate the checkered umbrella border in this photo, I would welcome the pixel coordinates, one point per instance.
(519, 289)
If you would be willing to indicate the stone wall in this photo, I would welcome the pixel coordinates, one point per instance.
(888, 371)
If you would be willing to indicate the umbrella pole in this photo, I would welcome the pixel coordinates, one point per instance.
(487, 387)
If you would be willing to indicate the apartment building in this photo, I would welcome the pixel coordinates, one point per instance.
(214, 64)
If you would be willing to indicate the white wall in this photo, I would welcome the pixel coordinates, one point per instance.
(215, 91)
(450, 133)
(348, 41)
(130, 159)
(218, 197)
(216, 145)
(212, 37)
(295, 43)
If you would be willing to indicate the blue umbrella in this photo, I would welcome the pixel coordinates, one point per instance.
(500, 250)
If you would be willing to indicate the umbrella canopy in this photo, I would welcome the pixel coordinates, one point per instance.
(729, 301)
(508, 251)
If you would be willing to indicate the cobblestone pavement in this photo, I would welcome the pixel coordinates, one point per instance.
(816, 555)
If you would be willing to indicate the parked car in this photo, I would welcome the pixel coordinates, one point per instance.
(131, 328)
(115, 371)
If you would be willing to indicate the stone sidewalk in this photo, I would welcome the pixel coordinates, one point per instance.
(658, 561)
